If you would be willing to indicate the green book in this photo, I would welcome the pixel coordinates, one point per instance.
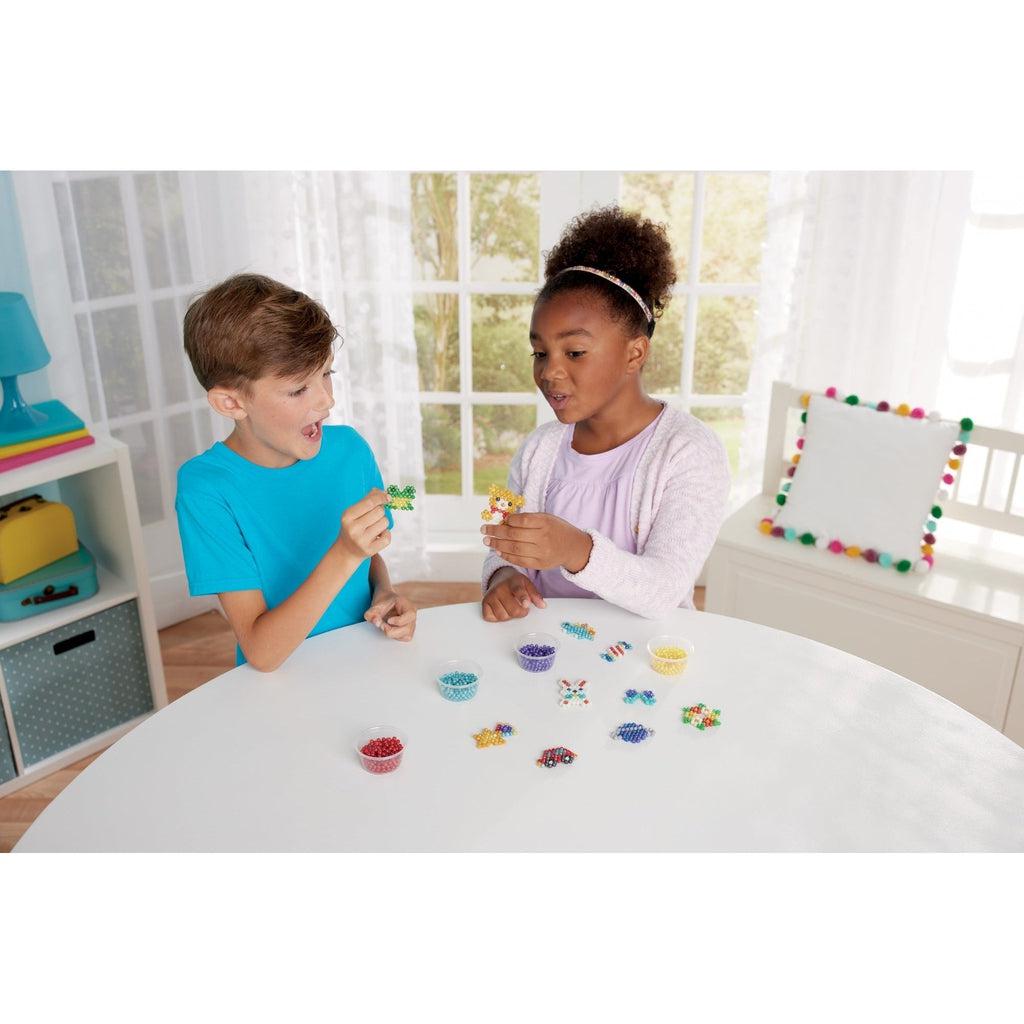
(59, 420)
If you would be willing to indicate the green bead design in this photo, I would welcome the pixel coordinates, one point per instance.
(903, 566)
(852, 400)
(936, 512)
(780, 499)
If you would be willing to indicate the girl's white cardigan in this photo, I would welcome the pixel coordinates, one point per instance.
(679, 495)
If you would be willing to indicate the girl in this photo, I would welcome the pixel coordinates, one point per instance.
(629, 493)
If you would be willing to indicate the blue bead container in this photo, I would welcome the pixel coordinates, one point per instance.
(458, 680)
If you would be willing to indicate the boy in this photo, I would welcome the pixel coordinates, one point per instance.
(259, 514)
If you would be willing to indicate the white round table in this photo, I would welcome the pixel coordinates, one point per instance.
(818, 750)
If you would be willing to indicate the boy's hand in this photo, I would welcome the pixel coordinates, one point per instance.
(535, 540)
(393, 614)
(510, 598)
(364, 527)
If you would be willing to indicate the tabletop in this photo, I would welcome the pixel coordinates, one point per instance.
(816, 750)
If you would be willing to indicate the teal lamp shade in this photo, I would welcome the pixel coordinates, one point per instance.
(22, 350)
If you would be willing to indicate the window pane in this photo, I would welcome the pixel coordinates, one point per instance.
(66, 220)
(122, 366)
(667, 199)
(728, 424)
(663, 370)
(725, 341)
(434, 227)
(162, 219)
(85, 348)
(505, 227)
(174, 368)
(145, 469)
(501, 343)
(735, 226)
(436, 319)
(498, 431)
(442, 448)
(102, 237)
(182, 436)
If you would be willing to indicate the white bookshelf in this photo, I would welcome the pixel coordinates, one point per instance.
(97, 483)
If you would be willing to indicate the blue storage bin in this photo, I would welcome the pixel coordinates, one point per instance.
(76, 682)
(7, 769)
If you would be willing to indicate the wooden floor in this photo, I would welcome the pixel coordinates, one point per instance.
(194, 652)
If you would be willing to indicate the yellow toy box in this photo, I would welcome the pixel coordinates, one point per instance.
(34, 532)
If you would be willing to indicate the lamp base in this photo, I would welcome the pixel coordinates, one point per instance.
(16, 413)
(57, 418)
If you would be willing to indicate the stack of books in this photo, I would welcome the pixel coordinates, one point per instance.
(62, 431)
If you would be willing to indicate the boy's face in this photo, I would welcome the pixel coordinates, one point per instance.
(278, 420)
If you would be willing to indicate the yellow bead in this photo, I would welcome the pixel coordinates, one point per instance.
(953, 463)
(902, 410)
(805, 400)
(927, 549)
(853, 551)
(765, 527)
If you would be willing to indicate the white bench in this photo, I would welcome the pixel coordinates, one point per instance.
(958, 630)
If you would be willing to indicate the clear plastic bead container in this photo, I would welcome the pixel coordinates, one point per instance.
(380, 765)
(458, 679)
(669, 654)
(531, 652)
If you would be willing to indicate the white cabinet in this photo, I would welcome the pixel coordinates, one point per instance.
(93, 666)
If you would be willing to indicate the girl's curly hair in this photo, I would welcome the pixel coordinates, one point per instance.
(627, 245)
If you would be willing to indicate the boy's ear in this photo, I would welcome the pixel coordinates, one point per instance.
(227, 402)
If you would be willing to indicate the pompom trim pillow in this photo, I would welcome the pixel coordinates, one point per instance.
(867, 481)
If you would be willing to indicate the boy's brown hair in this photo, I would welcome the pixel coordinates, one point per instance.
(251, 326)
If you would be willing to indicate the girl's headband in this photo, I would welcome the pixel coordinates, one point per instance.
(614, 280)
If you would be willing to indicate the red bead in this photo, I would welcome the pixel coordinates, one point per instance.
(959, 449)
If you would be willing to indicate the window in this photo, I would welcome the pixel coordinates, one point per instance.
(478, 241)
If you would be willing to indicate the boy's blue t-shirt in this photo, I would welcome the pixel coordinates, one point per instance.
(247, 527)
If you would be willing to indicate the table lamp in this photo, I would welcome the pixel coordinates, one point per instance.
(22, 350)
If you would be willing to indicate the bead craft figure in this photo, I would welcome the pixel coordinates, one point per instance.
(632, 732)
(581, 630)
(647, 697)
(573, 695)
(501, 503)
(494, 737)
(702, 717)
(400, 500)
(616, 651)
(556, 755)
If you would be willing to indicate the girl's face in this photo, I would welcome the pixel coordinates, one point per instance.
(582, 359)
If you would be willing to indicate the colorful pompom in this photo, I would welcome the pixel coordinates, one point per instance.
(790, 533)
(805, 400)
(870, 555)
(948, 478)
(853, 551)
(806, 538)
(903, 565)
(765, 526)
(960, 449)
(885, 559)
(777, 531)
(852, 400)
(936, 512)
(780, 499)
(791, 471)
(917, 414)
(967, 424)
(883, 407)
(830, 392)
(836, 547)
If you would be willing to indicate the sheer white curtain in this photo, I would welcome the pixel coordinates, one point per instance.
(857, 283)
(114, 258)
(345, 239)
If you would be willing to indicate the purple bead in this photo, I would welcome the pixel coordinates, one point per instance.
(870, 555)
(536, 657)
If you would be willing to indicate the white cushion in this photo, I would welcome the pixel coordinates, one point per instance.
(866, 478)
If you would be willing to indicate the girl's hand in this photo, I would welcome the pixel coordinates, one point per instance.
(510, 596)
(535, 540)
(393, 614)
